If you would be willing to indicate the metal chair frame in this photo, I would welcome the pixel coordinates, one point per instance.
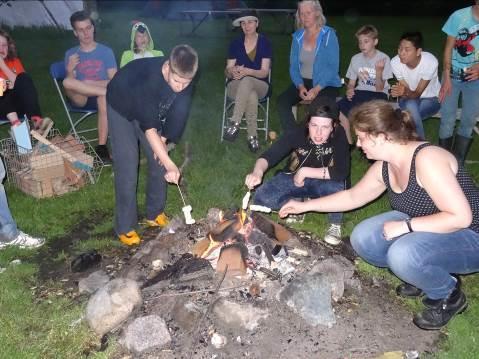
(57, 72)
(263, 105)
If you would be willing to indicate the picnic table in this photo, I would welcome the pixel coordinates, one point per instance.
(197, 17)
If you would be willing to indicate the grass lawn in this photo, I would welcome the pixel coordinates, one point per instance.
(33, 328)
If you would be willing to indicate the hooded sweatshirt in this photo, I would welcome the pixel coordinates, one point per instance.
(130, 55)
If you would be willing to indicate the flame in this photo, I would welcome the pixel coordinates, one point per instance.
(242, 216)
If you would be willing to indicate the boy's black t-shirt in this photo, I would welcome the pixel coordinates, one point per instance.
(139, 92)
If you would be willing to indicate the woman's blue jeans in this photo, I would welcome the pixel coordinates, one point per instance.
(422, 259)
(420, 109)
(470, 109)
(281, 188)
(8, 227)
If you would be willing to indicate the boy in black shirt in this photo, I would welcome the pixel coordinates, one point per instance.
(148, 102)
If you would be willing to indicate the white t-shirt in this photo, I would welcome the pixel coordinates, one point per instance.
(425, 70)
(143, 55)
(363, 70)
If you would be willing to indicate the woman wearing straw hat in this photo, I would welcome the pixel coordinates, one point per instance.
(247, 70)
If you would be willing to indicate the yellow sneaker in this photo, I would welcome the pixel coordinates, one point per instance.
(131, 238)
(160, 221)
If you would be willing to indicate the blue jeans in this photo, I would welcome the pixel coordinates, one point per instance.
(422, 259)
(125, 136)
(420, 109)
(281, 188)
(8, 227)
(470, 109)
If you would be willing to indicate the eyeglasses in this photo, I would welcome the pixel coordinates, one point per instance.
(139, 27)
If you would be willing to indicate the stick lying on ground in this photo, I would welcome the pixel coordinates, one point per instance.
(76, 162)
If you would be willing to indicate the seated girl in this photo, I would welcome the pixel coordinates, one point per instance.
(20, 98)
(322, 166)
(141, 45)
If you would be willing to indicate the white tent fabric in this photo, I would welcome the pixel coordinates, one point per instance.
(36, 13)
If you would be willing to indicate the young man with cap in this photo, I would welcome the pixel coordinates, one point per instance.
(147, 102)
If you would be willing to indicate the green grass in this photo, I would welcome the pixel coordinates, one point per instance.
(46, 328)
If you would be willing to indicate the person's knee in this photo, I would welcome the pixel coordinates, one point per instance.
(68, 83)
(360, 238)
(263, 197)
(402, 257)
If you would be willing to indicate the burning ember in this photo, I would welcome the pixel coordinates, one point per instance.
(242, 240)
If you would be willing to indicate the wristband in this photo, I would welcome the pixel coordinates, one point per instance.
(408, 223)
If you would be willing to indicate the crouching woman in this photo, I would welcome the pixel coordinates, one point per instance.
(321, 164)
(432, 231)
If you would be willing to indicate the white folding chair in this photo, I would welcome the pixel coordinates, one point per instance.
(263, 112)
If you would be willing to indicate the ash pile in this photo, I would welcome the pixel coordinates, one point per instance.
(217, 287)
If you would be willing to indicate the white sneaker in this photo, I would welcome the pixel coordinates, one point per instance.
(24, 240)
(333, 235)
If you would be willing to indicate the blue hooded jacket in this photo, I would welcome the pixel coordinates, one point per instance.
(326, 59)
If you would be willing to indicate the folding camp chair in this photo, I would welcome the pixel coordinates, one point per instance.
(263, 106)
(57, 72)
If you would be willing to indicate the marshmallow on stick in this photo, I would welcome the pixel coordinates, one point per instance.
(246, 200)
(258, 208)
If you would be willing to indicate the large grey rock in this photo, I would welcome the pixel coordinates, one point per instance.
(245, 315)
(146, 333)
(93, 282)
(337, 270)
(309, 295)
(186, 314)
(112, 304)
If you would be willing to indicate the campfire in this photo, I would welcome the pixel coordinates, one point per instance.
(240, 241)
(236, 284)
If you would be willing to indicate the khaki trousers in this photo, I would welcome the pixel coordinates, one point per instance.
(246, 93)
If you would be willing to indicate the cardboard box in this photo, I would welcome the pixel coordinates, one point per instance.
(38, 189)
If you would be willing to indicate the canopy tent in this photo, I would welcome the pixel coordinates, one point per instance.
(31, 13)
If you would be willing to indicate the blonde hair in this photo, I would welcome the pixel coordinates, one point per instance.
(368, 30)
(320, 20)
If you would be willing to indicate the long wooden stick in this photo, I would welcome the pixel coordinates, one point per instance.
(75, 161)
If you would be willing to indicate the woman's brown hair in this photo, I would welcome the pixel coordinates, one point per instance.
(379, 117)
(12, 49)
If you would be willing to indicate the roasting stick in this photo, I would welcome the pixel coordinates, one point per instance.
(186, 209)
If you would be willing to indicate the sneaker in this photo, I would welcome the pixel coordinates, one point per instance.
(131, 238)
(102, 152)
(333, 235)
(433, 318)
(160, 221)
(408, 290)
(231, 132)
(24, 240)
(253, 144)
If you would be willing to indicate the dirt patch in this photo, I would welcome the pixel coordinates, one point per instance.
(369, 319)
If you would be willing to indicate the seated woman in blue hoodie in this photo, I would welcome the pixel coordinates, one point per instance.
(313, 63)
